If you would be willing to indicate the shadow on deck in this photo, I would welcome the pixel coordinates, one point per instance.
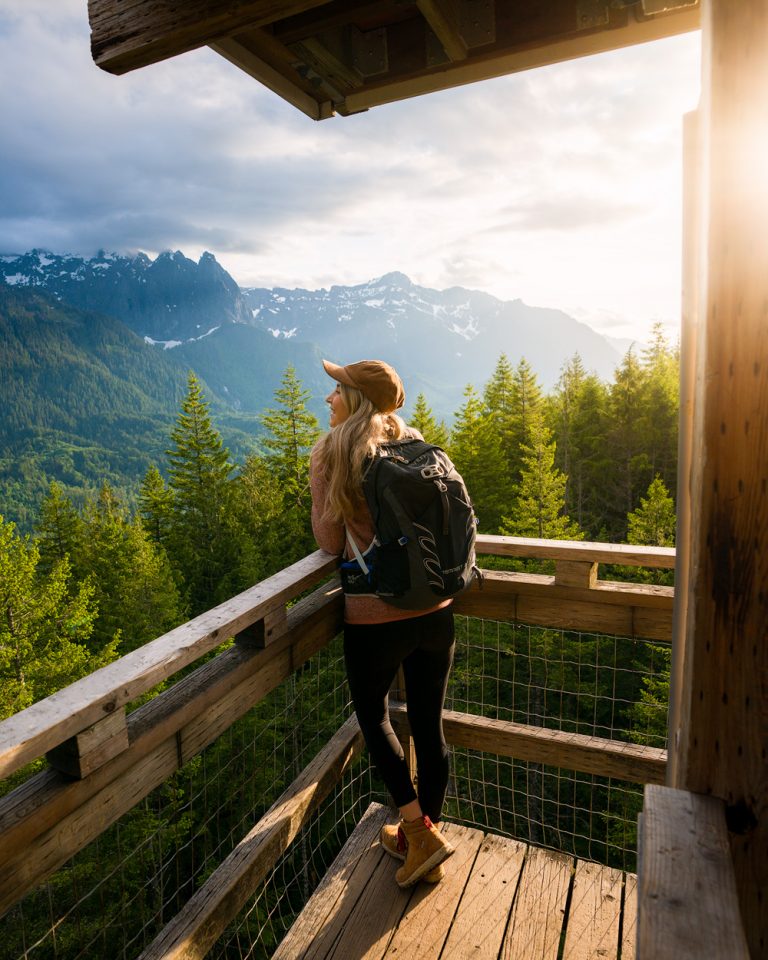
(500, 898)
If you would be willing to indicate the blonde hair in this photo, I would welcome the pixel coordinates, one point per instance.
(347, 448)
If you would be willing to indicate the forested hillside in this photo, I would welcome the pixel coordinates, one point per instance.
(590, 460)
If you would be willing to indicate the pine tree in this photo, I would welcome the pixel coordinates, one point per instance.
(476, 451)
(200, 540)
(155, 506)
(45, 625)
(59, 529)
(653, 522)
(292, 430)
(524, 406)
(660, 405)
(423, 420)
(539, 509)
(132, 580)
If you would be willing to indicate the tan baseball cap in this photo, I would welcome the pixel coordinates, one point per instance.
(375, 379)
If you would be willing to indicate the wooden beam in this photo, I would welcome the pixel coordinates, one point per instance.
(50, 817)
(126, 34)
(285, 83)
(622, 554)
(493, 64)
(441, 20)
(555, 748)
(64, 714)
(618, 609)
(689, 336)
(723, 742)
(687, 902)
(202, 920)
(92, 748)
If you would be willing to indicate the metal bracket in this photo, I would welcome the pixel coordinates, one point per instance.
(591, 14)
(369, 51)
(477, 22)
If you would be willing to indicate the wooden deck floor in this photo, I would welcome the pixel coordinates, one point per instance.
(500, 899)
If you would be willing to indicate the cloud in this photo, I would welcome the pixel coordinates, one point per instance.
(518, 185)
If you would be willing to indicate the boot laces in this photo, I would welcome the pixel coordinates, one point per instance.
(402, 843)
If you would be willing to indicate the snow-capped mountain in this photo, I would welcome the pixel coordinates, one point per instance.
(440, 340)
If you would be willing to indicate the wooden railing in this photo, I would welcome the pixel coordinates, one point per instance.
(103, 761)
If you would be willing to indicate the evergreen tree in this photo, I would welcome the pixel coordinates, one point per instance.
(156, 506)
(524, 406)
(653, 522)
(59, 529)
(423, 420)
(132, 580)
(200, 539)
(292, 430)
(660, 405)
(476, 451)
(265, 527)
(45, 625)
(539, 509)
(630, 464)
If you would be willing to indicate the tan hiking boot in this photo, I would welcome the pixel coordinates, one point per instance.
(426, 849)
(394, 842)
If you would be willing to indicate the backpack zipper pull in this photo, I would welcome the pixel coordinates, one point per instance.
(442, 487)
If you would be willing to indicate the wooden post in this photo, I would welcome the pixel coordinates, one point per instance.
(575, 573)
(91, 748)
(404, 734)
(723, 717)
(689, 327)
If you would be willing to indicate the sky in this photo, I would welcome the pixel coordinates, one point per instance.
(560, 186)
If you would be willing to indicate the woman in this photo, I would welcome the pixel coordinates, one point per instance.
(378, 638)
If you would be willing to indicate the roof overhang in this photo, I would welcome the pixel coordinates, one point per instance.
(345, 56)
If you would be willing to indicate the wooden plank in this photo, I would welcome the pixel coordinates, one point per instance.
(623, 554)
(595, 912)
(555, 748)
(689, 335)
(629, 918)
(576, 573)
(539, 909)
(379, 906)
(426, 923)
(44, 725)
(628, 610)
(440, 18)
(91, 748)
(282, 80)
(484, 66)
(478, 928)
(688, 904)
(723, 741)
(205, 916)
(49, 818)
(126, 34)
(335, 897)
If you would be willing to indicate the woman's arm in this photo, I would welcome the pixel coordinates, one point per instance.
(330, 535)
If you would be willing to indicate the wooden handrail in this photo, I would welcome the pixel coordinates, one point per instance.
(51, 817)
(623, 554)
(66, 713)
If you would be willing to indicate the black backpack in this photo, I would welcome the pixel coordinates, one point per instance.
(425, 526)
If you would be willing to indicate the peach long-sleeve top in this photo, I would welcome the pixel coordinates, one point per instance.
(332, 537)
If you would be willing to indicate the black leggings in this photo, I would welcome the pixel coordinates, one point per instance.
(373, 652)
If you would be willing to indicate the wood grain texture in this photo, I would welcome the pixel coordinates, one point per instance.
(594, 914)
(425, 924)
(723, 720)
(687, 899)
(51, 817)
(539, 909)
(205, 916)
(556, 748)
(126, 34)
(44, 725)
(623, 554)
(313, 932)
(478, 929)
(91, 748)
(629, 918)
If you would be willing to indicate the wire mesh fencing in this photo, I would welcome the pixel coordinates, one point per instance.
(114, 897)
